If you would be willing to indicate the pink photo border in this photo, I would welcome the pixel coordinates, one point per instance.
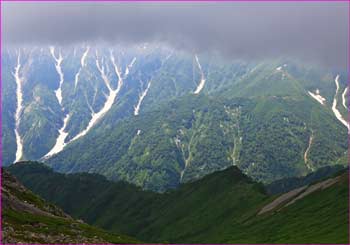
(218, 1)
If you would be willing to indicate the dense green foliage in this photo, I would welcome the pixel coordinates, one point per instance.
(219, 208)
(266, 138)
(257, 115)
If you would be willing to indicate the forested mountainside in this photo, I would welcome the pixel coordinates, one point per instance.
(223, 207)
(158, 117)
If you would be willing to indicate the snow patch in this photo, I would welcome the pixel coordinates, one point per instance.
(317, 96)
(281, 67)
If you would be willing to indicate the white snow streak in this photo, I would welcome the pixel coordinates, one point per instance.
(83, 64)
(141, 97)
(344, 98)
(317, 97)
(128, 67)
(334, 106)
(83, 58)
(76, 79)
(95, 117)
(202, 81)
(60, 141)
(58, 63)
(19, 108)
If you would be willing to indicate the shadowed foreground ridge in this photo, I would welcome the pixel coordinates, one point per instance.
(26, 218)
(223, 207)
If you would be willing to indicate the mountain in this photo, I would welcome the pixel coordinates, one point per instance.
(158, 117)
(288, 184)
(26, 218)
(223, 207)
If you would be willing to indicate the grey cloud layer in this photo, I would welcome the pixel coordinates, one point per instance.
(317, 31)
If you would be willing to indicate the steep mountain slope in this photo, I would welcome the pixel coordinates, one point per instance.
(158, 117)
(26, 218)
(190, 137)
(288, 184)
(222, 207)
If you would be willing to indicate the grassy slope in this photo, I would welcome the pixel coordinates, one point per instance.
(51, 225)
(220, 208)
(63, 230)
(321, 217)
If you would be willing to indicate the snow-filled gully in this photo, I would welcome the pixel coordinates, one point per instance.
(128, 67)
(334, 106)
(60, 141)
(202, 81)
(58, 67)
(112, 94)
(82, 65)
(62, 134)
(19, 108)
(143, 93)
(141, 97)
(344, 98)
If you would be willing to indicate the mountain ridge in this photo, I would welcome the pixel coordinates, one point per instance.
(221, 207)
(26, 218)
(89, 93)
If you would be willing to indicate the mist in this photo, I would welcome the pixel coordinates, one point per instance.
(312, 31)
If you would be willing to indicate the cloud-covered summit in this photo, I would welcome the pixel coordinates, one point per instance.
(306, 30)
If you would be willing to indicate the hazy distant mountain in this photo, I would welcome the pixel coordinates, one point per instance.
(157, 117)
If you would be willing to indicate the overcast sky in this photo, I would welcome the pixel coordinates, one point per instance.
(314, 30)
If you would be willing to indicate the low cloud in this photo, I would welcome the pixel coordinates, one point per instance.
(315, 31)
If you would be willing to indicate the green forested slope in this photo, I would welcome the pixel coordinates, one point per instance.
(188, 138)
(222, 207)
